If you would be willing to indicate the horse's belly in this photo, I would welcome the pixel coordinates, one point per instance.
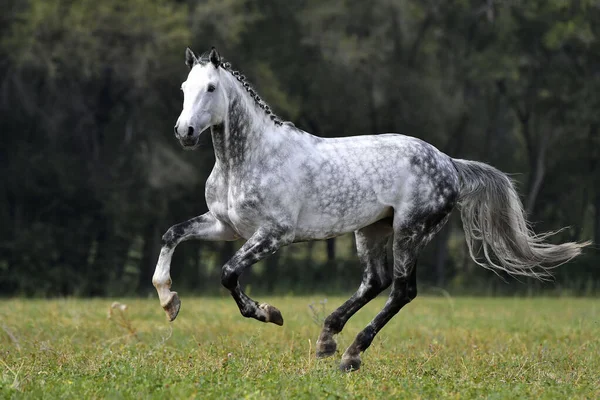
(344, 200)
(337, 219)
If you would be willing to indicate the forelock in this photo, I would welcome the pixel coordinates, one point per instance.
(201, 72)
(203, 59)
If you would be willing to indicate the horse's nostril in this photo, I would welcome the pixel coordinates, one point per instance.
(175, 129)
(190, 131)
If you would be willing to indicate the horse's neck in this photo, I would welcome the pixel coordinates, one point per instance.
(240, 136)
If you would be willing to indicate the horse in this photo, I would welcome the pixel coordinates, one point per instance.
(274, 184)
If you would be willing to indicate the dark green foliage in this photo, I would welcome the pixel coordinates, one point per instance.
(91, 176)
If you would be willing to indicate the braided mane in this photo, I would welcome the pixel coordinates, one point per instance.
(203, 60)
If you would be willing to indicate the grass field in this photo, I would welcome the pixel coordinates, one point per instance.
(435, 348)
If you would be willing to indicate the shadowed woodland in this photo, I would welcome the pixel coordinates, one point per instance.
(91, 175)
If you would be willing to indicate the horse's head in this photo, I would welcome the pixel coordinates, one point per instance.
(204, 98)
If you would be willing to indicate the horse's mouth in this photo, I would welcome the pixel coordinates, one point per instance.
(189, 143)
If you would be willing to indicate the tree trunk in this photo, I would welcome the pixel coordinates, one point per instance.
(150, 254)
(309, 252)
(330, 249)
(111, 256)
(200, 276)
(597, 220)
(225, 253)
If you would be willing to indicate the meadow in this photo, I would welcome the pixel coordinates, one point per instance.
(437, 347)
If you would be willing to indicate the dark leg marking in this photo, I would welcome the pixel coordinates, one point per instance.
(403, 292)
(371, 244)
(408, 241)
(259, 246)
(178, 233)
(202, 227)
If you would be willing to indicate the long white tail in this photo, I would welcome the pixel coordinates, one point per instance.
(497, 233)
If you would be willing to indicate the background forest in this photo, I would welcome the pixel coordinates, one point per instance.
(91, 175)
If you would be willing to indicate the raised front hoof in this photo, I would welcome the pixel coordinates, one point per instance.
(172, 307)
(326, 348)
(271, 314)
(350, 364)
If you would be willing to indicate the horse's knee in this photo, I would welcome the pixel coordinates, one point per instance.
(173, 235)
(407, 294)
(403, 295)
(170, 237)
(228, 278)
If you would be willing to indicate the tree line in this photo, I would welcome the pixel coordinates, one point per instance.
(89, 93)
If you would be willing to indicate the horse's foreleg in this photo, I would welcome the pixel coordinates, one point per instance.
(263, 243)
(371, 243)
(203, 227)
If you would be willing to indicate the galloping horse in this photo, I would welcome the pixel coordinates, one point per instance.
(274, 184)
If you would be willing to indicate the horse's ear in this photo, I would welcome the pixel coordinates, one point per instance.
(214, 57)
(190, 58)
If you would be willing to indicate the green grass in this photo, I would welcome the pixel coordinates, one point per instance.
(435, 348)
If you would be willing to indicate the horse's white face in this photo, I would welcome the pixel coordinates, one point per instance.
(204, 102)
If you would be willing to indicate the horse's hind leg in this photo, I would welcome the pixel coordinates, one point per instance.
(407, 244)
(371, 246)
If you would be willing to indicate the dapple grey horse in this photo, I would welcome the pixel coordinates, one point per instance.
(274, 184)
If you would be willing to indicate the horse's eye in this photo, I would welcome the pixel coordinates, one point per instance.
(211, 88)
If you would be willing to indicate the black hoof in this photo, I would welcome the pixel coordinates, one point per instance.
(350, 364)
(272, 314)
(326, 349)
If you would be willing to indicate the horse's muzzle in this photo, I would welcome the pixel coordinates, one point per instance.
(189, 142)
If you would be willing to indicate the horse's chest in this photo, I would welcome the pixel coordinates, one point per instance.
(244, 211)
(238, 208)
(242, 222)
(217, 196)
